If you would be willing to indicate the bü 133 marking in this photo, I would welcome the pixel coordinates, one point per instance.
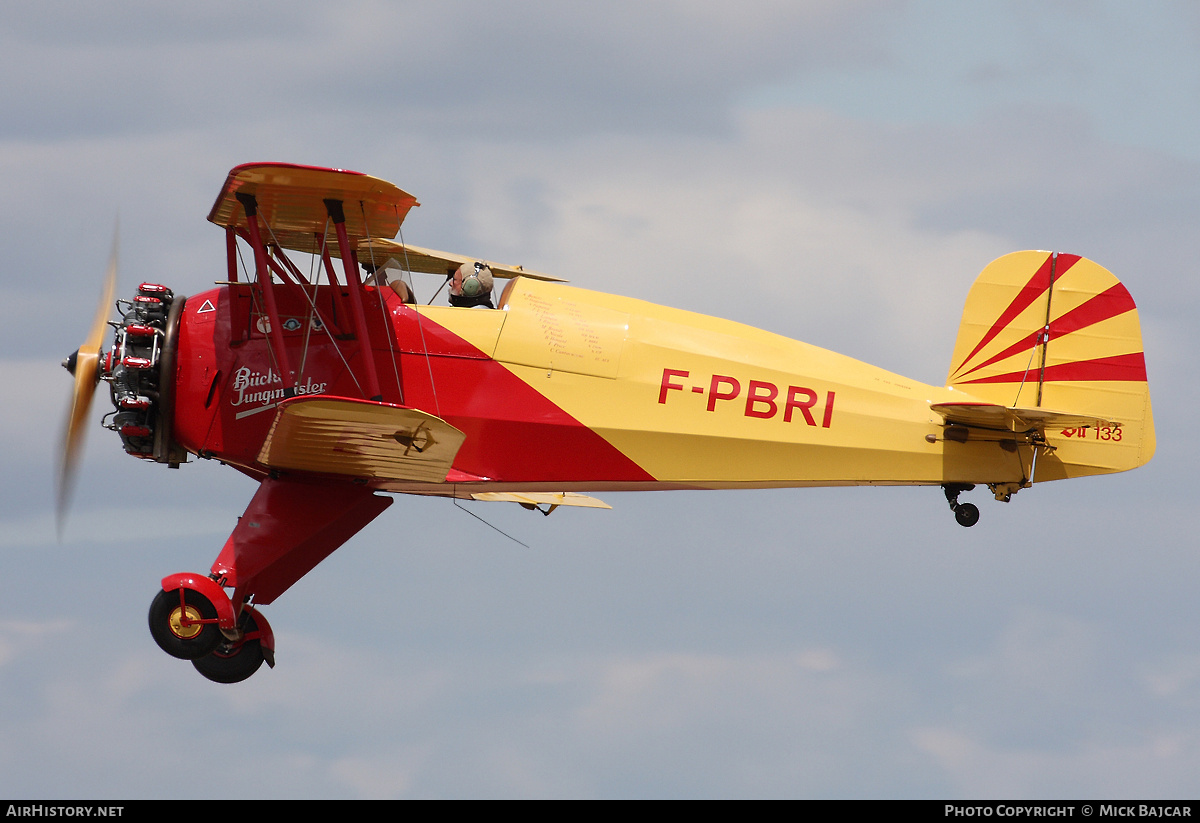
(1111, 433)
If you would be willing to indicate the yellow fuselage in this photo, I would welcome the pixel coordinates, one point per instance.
(699, 402)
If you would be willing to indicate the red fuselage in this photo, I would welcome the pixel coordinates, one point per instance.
(229, 383)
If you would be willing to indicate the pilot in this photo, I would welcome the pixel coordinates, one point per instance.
(471, 286)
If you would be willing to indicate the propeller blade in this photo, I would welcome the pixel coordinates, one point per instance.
(85, 367)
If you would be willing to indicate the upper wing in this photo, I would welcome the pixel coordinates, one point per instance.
(428, 261)
(291, 203)
(359, 438)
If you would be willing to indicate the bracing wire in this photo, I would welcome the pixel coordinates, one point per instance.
(383, 312)
(421, 328)
(489, 525)
(313, 305)
(310, 280)
(1028, 366)
(256, 307)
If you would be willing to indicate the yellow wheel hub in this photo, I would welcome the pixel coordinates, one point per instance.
(176, 621)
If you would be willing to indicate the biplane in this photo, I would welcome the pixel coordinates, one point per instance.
(312, 369)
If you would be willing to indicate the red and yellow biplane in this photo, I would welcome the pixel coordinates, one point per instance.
(333, 388)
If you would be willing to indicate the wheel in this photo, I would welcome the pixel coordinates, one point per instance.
(233, 662)
(967, 514)
(166, 624)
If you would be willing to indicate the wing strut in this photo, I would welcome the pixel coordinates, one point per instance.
(350, 267)
(263, 273)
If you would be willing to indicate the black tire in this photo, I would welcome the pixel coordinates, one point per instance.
(233, 662)
(967, 514)
(188, 643)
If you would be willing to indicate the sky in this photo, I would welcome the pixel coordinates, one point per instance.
(834, 171)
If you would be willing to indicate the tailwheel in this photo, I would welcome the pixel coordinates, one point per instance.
(233, 661)
(184, 623)
(965, 514)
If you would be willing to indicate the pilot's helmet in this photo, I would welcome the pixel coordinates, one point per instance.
(476, 279)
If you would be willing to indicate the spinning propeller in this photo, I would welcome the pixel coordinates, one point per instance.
(84, 365)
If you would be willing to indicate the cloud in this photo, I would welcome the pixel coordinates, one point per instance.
(16, 635)
(1055, 708)
(1158, 765)
(454, 68)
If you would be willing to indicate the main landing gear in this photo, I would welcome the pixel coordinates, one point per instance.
(184, 624)
(234, 660)
(967, 514)
(200, 626)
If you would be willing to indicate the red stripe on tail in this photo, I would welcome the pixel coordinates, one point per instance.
(1111, 303)
(1031, 291)
(1130, 367)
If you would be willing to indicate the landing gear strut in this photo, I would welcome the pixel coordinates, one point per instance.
(967, 514)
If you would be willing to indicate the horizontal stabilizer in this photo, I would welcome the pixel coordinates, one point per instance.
(1011, 418)
(359, 438)
(429, 261)
(530, 499)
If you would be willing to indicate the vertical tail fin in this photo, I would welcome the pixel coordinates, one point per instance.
(1059, 332)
